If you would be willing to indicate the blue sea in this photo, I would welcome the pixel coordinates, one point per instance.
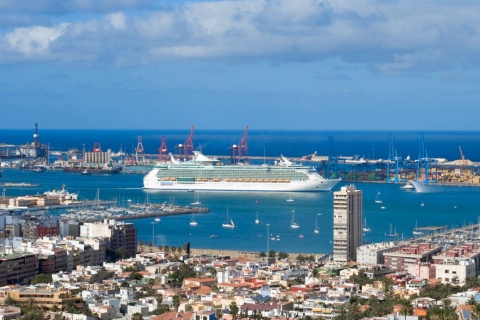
(455, 207)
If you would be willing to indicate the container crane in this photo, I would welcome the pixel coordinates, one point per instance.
(240, 150)
(186, 147)
(163, 150)
(392, 156)
(139, 150)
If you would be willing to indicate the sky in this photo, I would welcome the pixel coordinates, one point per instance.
(268, 64)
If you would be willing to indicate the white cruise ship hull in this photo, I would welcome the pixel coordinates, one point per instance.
(433, 187)
(152, 182)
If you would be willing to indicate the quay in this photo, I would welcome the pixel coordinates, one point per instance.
(145, 215)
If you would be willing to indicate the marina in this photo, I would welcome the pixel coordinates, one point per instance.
(457, 208)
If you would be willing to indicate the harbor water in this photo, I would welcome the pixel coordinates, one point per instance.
(402, 210)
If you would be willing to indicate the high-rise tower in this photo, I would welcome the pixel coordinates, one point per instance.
(347, 224)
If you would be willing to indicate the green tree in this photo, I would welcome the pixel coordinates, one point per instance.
(176, 302)
(173, 249)
(272, 254)
(159, 299)
(282, 255)
(142, 245)
(233, 309)
(406, 309)
(33, 315)
(160, 247)
(137, 316)
(135, 276)
(262, 254)
(42, 278)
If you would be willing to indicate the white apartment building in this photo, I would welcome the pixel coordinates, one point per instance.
(455, 269)
(347, 224)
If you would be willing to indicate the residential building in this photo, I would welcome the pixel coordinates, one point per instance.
(347, 224)
(411, 255)
(17, 268)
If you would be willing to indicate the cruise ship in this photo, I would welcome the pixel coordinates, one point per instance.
(209, 174)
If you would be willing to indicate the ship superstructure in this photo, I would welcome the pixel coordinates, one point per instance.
(208, 174)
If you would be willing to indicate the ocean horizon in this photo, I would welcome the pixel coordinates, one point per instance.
(271, 143)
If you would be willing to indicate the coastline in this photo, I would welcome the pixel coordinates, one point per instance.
(239, 254)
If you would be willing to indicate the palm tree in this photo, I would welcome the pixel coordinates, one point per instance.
(315, 273)
(150, 245)
(407, 308)
(476, 311)
(142, 244)
(233, 309)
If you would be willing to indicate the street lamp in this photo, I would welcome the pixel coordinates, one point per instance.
(268, 238)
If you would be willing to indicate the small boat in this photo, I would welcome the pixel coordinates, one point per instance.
(391, 235)
(86, 172)
(213, 236)
(316, 224)
(415, 230)
(377, 198)
(157, 219)
(192, 221)
(422, 204)
(365, 227)
(197, 200)
(257, 221)
(228, 224)
(383, 207)
(290, 198)
(407, 186)
(293, 224)
(301, 236)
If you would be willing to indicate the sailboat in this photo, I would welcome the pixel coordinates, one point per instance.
(391, 235)
(290, 199)
(316, 224)
(228, 224)
(192, 221)
(365, 227)
(415, 230)
(377, 198)
(257, 221)
(293, 224)
(197, 200)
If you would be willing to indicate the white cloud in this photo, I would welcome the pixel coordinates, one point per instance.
(389, 36)
(35, 41)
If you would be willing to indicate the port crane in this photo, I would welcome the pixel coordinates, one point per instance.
(423, 161)
(240, 150)
(163, 150)
(331, 170)
(392, 157)
(139, 151)
(187, 147)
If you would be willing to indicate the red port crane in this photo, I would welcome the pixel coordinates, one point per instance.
(163, 150)
(240, 150)
(96, 147)
(187, 147)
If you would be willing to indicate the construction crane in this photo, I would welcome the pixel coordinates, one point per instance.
(240, 150)
(163, 150)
